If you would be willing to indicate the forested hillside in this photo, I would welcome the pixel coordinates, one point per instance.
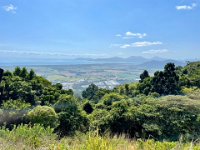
(165, 106)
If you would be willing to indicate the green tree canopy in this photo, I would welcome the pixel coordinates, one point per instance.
(17, 71)
(31, 74)
(91, 92)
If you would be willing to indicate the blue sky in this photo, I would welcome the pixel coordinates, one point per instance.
(99, 28)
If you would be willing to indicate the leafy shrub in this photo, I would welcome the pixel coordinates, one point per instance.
(70, 116)
(108, 99)
(15, 105)
(43, 115)
(65, 103)
(167, 117)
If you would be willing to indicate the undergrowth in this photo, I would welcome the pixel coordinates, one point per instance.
(25, 137)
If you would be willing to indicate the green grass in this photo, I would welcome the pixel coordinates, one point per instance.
(25, 137)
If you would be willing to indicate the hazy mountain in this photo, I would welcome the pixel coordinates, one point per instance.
(133, 59)
(161, 63)
(154, 62)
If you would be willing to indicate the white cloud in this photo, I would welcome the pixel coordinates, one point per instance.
(131, 34)
(158, 51)
(125, 46)
(10, 8)
(186, 7)
(145, 43)
(140, 44)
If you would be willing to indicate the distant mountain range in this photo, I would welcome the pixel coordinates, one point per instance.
(161, 63)
(155, 62)
(133, 59)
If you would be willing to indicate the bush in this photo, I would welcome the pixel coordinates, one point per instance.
(167, 117)
(70, 116)
(43, 115)
(33, 137)
(15, 105)
(65, 103)
(108, 99)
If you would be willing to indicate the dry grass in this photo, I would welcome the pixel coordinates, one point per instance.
(91, 142)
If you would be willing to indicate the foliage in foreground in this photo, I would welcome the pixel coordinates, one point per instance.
(37, 137)
(167, 117)
(26, 136)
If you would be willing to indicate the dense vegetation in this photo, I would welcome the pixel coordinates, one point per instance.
(165, 106)
(37, 137)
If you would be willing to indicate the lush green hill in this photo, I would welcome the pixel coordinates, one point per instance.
(193, 69)
(165, 106)
(191, 74)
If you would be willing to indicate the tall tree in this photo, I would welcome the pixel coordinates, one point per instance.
(127, 90)
(31, 74)
(144, 75)
(91, 92)
(172, 80)
(158, 82)
(17, 71)
(23, 72)
(1, 88)
(166, 82)
(1, 74)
